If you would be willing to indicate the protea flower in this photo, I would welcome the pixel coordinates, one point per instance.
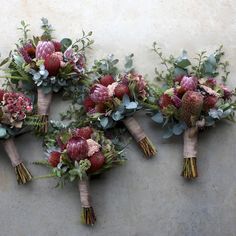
(99, 93)
(188, 83)
(52, 64)
(44, 49)
(77, 148)
(192, 103)
(27, 52)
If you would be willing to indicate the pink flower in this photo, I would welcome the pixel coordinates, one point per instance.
(226, 92)
(111, 88)
(93, 147)
(188, 83)
(141, 84)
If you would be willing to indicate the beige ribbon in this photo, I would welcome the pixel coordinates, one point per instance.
(12, 152)
(134, 128)
(44, 101)
(191, 139)
(84, 193)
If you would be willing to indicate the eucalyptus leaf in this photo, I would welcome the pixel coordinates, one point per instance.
(131, 105)
(116, 116)
(66, 42)
(168, 133)
(125, 100)
(178, 129)
(104, 122)
(158, 118)
(3, 132)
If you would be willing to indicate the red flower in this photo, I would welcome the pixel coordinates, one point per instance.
(28, 52)
(54, 158)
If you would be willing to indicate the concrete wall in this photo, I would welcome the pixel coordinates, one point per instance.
(143, 197)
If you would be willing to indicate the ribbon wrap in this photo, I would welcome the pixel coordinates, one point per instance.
(190, 142)
(10, 148)
(44, 101)
(84, 193)
(134, 128)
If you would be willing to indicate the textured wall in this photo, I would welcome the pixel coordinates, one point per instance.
(143, 197)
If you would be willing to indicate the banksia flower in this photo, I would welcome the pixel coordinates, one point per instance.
(97, 160)
(44, 49)
(188, 83)
(54, 158)
(99, 93)
(192, 103)
(77, 148)
(52, 64)
(209, 102)
(84, 132)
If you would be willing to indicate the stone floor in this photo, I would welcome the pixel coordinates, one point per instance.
(143, 197)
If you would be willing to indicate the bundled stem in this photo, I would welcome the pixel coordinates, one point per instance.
(190, 153)
(87, 215)
(44, 101)
(137, 132)
(22, 173)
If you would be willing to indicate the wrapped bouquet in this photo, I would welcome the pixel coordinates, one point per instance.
(14, 108)
(78, 154)
(191, 99)
(115, 97)
(48, 64)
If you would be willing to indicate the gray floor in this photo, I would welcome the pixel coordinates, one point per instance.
(143, 197)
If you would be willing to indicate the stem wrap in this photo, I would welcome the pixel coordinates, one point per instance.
(84, 193)
(134, 128)
(190, 142)
(44, 101)
(12, 152)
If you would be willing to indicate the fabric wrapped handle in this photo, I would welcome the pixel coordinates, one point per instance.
(44, 101)
(10, 148)
(84, 193)
(134, 128)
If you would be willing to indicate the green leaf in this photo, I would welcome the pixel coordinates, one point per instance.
(4, 61)
(116, 116)
(65, 43)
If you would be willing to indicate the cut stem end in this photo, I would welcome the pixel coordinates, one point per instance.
(147, 147)
(23, 175)
(88, 216)
(190, 168)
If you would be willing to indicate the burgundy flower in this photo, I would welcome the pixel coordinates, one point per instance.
(27, 52)
(226, 92)
(77, 148)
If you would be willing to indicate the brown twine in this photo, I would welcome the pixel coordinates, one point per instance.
(12, 152)
(44, 101)
(84, 193)
(134, 128)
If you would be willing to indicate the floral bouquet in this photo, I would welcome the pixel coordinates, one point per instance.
(115, 97)
(51, 65)
(78, 154)
(192, 99)
(14, 109)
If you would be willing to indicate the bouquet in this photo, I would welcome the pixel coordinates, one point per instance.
(113, 97)
(75, 155)
(192, 99)
(14, 109)
(48, 64)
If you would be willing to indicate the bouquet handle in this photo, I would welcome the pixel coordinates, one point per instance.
(22, 173)
(87, 215)
(43, 104)
(139, 135)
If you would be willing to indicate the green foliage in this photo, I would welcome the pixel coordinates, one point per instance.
(24, 28)
(47, 29)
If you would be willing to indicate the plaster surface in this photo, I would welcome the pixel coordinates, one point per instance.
(143, 197)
